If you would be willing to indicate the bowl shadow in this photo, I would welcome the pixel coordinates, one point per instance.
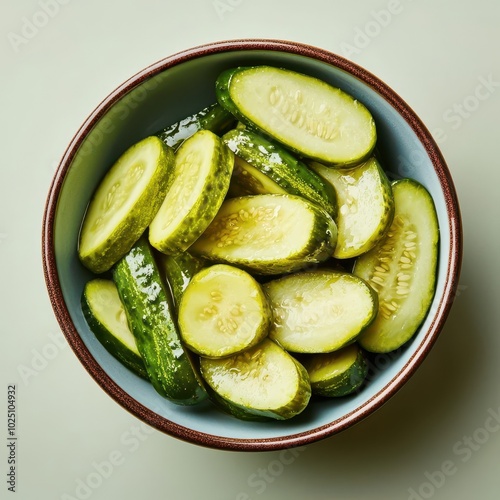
(429, 409)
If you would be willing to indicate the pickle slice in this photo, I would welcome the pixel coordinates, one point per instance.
(200, 180)
(248, 180)
(106, 317)
(281, 168)
(365, 206)
(125, 203)
(337, 374)
(223, 311)
(319, 311)
(263, 381)
(402, 269)
(309, 116)
(268, 234)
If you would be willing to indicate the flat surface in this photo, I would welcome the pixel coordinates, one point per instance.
(439, 437)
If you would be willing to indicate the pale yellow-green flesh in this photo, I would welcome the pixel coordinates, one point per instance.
(365, 206)
(328, 366)
(247, 180)
(105, 304)
(402, 269)
(115, 198)
(319, 311)
(263, 228)
(305, 113)
(193, 166)
(223, 311)
(264, 377)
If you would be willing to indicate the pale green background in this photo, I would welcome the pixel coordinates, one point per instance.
(436, 57)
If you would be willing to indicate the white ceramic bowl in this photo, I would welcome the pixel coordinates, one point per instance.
(166, 92)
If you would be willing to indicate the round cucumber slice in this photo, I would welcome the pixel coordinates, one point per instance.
(201, 177)
(268, 234)
(125, 203)
(319, 311)
(402, 269)
(106, 317)
(223, 311)
(337, 374)
(263, 381)
(305, 114)
(365, 206)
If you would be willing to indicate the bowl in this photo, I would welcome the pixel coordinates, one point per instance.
(168, 91)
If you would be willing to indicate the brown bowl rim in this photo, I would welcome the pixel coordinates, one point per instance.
(264, 444)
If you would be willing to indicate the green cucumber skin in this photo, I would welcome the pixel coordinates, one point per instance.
(350, 382)
(179, 269)
(150, 314)
(293, 175)
(222, 94)
(117, 350)
(214, 118)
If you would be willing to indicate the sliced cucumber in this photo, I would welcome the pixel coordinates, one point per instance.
(263, 381)
(305, 114)
(105, 315)
(125, 203)
(248, 180)
(366, 206)
(268, 234)
(319, 311)
(151, 318)
(228, 407)
(275, 162)
(337, 374)
(223, 311)
(214, 118)
(402, 269)
(178, 270)
(202, 172)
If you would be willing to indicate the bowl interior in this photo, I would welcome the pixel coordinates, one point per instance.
(161, 96)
